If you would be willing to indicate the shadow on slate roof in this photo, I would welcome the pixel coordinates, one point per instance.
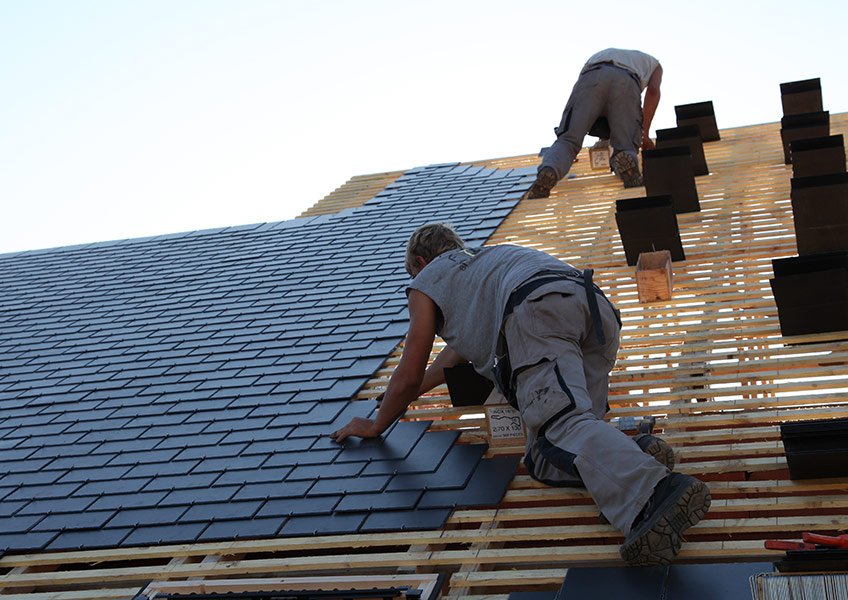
(177, 388)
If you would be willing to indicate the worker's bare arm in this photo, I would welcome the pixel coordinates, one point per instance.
(407, 378)
(649, 106)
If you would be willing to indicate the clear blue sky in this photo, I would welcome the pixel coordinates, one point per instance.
(130, 118)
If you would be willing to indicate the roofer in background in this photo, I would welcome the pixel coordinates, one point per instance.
(605, 102)
(548, 337)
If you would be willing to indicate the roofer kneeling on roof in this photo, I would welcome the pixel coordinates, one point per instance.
(605, 102)
(548, 337)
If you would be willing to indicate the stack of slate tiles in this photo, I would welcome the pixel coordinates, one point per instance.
(811, 289)
(180, 388)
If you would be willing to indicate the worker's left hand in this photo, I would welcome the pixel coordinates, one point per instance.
(358, 427)
(647, 143)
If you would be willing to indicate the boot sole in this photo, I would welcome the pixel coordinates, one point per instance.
(627, 168)
(660, 544)
(545, 182)
(657, 448)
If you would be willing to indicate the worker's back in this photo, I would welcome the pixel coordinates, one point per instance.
(471, 286)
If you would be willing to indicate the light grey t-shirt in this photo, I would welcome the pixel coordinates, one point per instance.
(640, 64)
(471, 287)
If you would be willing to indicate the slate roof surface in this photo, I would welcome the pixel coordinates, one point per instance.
(180, 388)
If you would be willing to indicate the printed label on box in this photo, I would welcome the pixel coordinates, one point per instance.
(505, 424)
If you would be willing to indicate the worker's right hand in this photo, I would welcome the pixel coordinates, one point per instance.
(647, 143)
(357, 427)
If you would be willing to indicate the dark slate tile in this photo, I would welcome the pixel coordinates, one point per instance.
(425, 457)
(326, 471)
(263, 475)
(94, 474)
(123, 486)
(164, 534)
(34, 478)
(72, 504)
(33, 541)
(379, 501)
(80, 462)
(349, 485)
(147, 456)
(192, 480)
(88, 539)
(44, 491)
(317, 505)
(643, 583)
(453, 472)
(258, 434)
(19, 524)
(10, 508)
(242, 529)
(486, 487)
(202, 452)
(131, 517)
(292, 459)
(139, 500)
(405, 520)
(219, 511)
(218, 465)
(290, 444)
(211, 494)
(265, 448)
(323, 524)
(286, 489)
(323, 412)
(90, 519)
(191, 440)
(159, 469)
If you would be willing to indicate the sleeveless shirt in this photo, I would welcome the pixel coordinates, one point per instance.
(471, 286)
(640, 64)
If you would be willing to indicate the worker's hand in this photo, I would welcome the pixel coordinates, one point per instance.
(358, 427)
(647, 143)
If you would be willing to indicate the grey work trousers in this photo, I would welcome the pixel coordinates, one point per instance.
(560, 378)
(605, 90)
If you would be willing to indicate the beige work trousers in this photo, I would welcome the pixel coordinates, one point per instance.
(561, 378)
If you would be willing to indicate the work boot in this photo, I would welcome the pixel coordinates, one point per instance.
(678, 502)
(656, 447)
(626, 167)
(546, 179)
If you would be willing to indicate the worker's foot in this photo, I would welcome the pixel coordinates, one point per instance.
(546, 179)
(626, 166)
(678, 502)
(656, 447)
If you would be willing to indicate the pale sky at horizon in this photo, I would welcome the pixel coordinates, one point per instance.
(125, 119)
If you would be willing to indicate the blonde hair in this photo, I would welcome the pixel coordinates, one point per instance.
(430, 240)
